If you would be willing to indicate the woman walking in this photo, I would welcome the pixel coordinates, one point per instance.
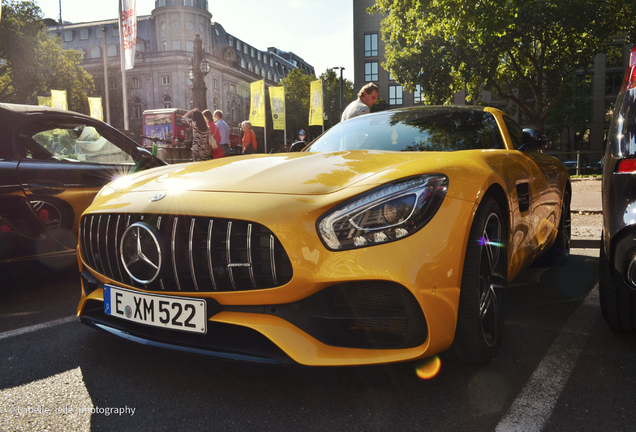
(201, 150)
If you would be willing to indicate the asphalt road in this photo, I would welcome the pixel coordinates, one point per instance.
(560, 369)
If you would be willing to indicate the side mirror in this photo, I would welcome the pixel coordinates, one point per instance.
(297, 146)
(145, 160)
(533, 140)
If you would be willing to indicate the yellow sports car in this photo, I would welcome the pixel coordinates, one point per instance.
(391, 237)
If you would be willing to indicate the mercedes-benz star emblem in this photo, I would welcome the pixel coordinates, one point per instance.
(157, 196)
(141, 253)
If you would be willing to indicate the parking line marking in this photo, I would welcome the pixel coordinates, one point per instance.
(37, 327)
(534, 405)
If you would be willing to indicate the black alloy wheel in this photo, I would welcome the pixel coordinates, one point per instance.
(480, 318)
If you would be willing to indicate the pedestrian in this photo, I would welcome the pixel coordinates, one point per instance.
(366, 98)
(201, 149)
(249, 139)
(224, 130)
(217, 153)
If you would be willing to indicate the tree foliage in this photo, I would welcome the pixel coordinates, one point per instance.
(331, 89)
(521, 50)
(33, 62)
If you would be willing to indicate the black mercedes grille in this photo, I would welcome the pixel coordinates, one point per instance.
(198, 254)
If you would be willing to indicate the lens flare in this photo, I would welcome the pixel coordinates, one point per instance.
(428, 368)
(483, 241)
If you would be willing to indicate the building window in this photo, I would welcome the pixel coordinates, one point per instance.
(252, 52)
(112, 51)
(271, 62)
(136, 82)
(164, 45)
(68, 35)
(215, 103)
(613, 82)
(137, 108)
(215, 83)
(395, 95)
(230, 41)
(162, 3)
(175, 25)
(232, 88)
(614, 55)
(176, 45)
(269, 75)
(167, 102)
(275, 78)
(417, 95)
(98, 32)
(250, 67)
(243, 63)
(238, 45)
(259, 55)
(188, 3)
(263, 73)
(245, 48)
(82, 53)
(165, 80)
(190, 46)
(83, 34)
(371, 45)
(371, 71)
(116, 31)
(95, 52)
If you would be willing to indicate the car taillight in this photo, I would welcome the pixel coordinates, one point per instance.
(630, 73)
(627, 166)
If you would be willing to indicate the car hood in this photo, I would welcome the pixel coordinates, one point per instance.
(289, 173)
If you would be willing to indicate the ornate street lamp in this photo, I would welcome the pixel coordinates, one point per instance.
(200, 68)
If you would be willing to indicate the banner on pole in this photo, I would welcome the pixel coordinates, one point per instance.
(277, 101)
(45, 101)
(128, 32)
(58, 99)
(315, 103)
(95, 104)
(257, 105)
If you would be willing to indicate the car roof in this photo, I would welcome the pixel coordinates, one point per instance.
(33, 109)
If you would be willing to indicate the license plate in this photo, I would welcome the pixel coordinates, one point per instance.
(175, 313)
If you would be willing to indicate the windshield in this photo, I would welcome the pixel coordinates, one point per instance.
(423, 129)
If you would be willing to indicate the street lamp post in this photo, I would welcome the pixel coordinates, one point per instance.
(200, 68)
(341, 95)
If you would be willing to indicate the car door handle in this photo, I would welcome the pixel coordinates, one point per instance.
(46, 187)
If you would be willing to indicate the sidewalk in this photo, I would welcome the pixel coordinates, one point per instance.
(587, 213)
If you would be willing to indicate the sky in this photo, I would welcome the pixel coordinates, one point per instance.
(319, 31)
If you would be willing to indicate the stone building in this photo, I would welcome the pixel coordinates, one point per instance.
(164, 53)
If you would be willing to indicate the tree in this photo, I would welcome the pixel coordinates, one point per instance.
(297, 85)
(33, 62)
(331, 96)
(523, 51)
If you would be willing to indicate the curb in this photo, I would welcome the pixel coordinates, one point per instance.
(585, 243)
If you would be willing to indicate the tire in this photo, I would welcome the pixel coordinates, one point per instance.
(618, 301)
(560, 250)
(480, 316)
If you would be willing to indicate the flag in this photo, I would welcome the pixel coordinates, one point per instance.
(277, 101)
(257, 106)
(95, 104)
(45, 101)
(58, 99)
(315, 103)
(128, 32)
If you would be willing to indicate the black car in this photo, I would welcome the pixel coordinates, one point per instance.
(617, 271)
(52, 164)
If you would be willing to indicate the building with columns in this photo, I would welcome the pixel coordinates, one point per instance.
(164, 53)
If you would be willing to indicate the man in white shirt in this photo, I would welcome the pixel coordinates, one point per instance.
(366, 98)
(224, 130)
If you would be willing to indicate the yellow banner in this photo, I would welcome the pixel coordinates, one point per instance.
(277, 101)
(45, 101)
(315, 103)
(95, 104)
(58, 99)
(257, 106)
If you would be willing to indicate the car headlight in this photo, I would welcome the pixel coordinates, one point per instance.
(384, 214)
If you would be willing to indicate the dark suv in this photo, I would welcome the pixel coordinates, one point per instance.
(617, 270)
